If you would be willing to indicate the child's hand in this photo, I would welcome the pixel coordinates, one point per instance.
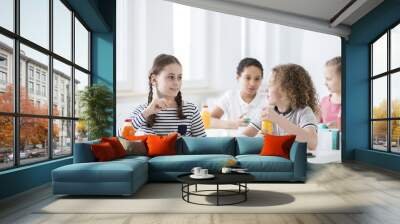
(156, 105)
(268, 113)
(241, 122)
(332, 124)
(174, 133)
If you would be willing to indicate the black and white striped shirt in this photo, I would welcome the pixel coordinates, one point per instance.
(167, 121)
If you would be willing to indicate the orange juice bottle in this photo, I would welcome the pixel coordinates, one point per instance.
(127, 128)
(267, 126)
(206, 116)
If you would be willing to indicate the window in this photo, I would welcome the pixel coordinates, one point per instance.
(3, 72)
(38, 89)
(181, 34)
(62, 29)
(37, 74)
(54, 128)
(34, 21)
(3, 78)
(81, 81)
(62, 74)
(30, 87)
(62, 141)
(81, 45)
(3, 61)
(30, 72)
(43, 77)
(44, 91)
(7, 14)
(385, 97)
(6, 73)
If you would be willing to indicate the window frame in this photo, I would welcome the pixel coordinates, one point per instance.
(388, 74)
(15, 72)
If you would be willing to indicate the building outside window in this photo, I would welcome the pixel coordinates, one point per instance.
(34, 81)
(30, 87)
(3, 72)
(385, 97)
(43, 90)
(30, 72)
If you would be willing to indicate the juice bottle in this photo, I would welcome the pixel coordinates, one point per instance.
(267, 126)
(206, 116)
(127, 128)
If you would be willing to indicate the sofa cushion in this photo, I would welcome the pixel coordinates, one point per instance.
(129, 159)
(208, 145)
(116, 145)
(161, 145)
(111, 171)
(185, 163)
(83, 152)
(134, 147)
(257, 163)
(103, 152)
(277, 145)
(249, 145)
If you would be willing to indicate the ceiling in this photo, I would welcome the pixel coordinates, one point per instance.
(326, 16)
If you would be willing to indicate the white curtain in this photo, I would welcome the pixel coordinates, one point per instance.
(209, 45)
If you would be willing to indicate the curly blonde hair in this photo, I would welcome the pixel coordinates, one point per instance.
(297, 84)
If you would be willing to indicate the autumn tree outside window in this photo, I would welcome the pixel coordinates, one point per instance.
(385, 94)
(44, 64)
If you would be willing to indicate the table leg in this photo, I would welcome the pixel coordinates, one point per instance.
(245, 193)
(196, 188)
(217, 194)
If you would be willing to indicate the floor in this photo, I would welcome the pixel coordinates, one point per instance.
(380, 189)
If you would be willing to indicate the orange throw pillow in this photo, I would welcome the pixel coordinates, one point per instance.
(277, 145)
(116, 145)
(103, 152)
(161, 145)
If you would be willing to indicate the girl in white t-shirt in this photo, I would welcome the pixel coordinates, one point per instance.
(237, 108)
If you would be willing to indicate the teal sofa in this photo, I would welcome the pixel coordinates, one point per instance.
(125, 176)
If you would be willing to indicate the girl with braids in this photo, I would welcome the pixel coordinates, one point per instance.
(293, 105)
(165, 109)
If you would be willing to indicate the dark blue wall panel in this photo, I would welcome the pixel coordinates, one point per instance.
(356, 104)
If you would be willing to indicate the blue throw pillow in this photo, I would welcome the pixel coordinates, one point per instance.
(249, 145)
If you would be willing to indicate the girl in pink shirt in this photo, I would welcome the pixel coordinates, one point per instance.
(331, 104)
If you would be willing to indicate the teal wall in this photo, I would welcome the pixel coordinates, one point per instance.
(356, 92)
(99, 16)
(103, 64)
(24, 178)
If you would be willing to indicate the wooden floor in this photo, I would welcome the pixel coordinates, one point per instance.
(379, 189)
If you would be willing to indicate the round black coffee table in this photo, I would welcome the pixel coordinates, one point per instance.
(238, 179)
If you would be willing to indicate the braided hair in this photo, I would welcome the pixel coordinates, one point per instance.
(159, 63)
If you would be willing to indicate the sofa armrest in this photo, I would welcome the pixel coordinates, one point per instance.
(298, 155)
(83, 152)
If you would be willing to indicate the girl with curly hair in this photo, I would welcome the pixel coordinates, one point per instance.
(293, 105)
